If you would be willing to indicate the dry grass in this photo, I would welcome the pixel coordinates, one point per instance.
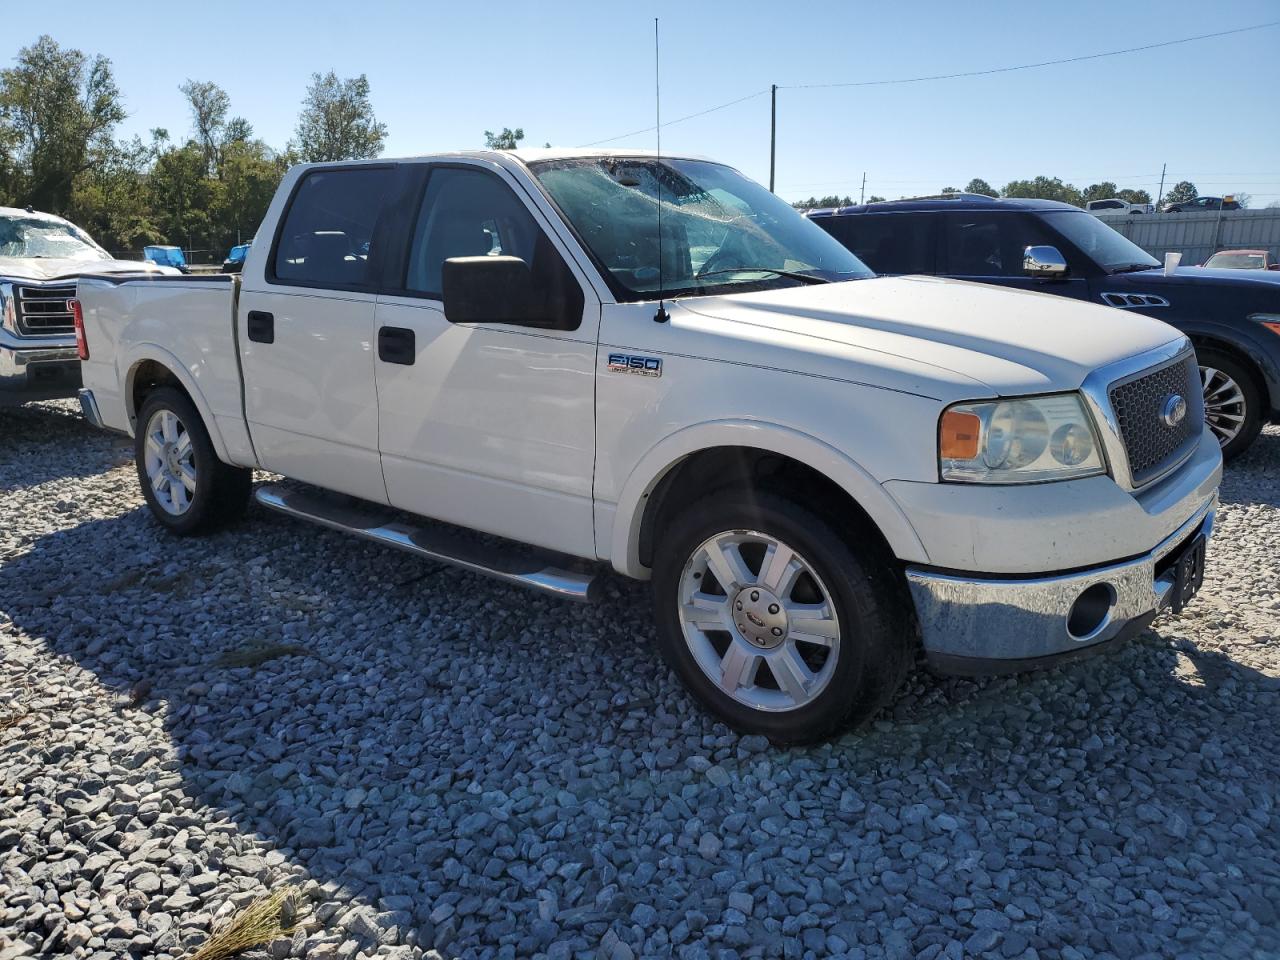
(256, 654)
(269, 917)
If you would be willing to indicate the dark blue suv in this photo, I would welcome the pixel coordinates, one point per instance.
(1232, 316)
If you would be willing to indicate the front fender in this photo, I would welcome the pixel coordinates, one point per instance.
(624, 552)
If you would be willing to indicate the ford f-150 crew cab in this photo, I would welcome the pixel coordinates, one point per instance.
(819, 470)
(40, 258)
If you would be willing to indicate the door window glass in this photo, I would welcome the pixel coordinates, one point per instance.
(990, 244)
(887, 242)
(471, 213)
(327, 234)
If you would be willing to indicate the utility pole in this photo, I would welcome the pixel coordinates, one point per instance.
(773, 132)
(862, 197)
(1160, 195)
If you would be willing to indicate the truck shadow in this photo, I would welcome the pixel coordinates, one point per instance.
(430, 744)
(43, 442)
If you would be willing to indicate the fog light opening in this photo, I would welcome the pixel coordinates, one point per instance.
(1091, 611)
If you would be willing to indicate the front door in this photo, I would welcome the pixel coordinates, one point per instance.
(307, 338)
(490, 426)
(988, 247)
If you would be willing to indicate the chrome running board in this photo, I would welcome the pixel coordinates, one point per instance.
(514, 563)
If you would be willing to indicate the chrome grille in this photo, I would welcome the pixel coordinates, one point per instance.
(1152, 446)
(43, 309)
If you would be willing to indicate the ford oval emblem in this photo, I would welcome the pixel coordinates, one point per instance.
(1175, 409)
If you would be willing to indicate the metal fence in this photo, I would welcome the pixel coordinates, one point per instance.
(1198, 235)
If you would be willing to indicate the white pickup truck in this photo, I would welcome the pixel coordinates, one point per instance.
(40, 258)
(820, 471)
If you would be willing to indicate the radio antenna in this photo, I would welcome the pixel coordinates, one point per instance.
(661, 316)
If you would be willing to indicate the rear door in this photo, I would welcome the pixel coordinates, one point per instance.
(988, 246)
(490, 426)
(306, 334)
(888, 243)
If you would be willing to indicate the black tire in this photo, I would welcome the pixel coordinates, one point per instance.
(1251, 392)
(876, 641)
(221, 491)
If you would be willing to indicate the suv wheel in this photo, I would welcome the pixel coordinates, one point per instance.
(773, 621)
(1232, 401)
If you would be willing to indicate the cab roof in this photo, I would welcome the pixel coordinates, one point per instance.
(947, 201)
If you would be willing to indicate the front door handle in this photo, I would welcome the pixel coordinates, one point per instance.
(396, 345)
(261, 326)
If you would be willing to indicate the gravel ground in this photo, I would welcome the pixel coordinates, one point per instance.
(445, 764)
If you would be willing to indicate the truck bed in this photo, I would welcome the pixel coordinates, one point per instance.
(186, 324)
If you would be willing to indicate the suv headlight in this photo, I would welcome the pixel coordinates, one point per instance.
(8, 316)
(1019, 440)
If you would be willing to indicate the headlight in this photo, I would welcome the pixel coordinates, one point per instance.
(1020, 440)
(8, 318)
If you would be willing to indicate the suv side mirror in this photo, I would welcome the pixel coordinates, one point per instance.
(490, 290)
(1044, 262)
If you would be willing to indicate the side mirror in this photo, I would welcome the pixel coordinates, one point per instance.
(233, 266)
(1044, 262)
(490, 290)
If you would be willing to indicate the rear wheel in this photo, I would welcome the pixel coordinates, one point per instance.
(1232, 400)
(773, 621)
(188, 489)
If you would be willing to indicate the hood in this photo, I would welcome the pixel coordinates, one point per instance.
(1209, 276)
(47, 268)
(1011, 341)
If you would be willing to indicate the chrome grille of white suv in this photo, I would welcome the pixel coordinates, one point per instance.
(42, 310)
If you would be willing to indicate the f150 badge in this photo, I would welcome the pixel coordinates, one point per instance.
(627, 363)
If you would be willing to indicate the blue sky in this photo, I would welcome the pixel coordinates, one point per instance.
(574, 72)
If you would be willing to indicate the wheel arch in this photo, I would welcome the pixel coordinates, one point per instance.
(1270, 400)
(698, 460)
(151, 367)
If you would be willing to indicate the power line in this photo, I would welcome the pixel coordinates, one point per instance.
(1032, 66)
(672, 123)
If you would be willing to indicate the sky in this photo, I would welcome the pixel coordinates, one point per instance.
(572, 72)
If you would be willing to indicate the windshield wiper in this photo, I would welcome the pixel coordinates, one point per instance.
(1134, 267)
(790, 274)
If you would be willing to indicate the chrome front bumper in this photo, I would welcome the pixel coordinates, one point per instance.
(37, 368)
(994, 625)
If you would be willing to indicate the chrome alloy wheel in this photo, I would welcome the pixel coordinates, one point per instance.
(170, 462)
(759, 620)
(1224, 404)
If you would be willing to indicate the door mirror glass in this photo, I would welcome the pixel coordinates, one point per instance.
(1043, 262)
(490, 289)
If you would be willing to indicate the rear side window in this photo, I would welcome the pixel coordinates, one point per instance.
(887, 242)
(327, 235)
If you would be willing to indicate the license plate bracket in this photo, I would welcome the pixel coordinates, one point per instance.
(1188, 574)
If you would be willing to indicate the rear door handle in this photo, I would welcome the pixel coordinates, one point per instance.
(261, 326)
(396, 345)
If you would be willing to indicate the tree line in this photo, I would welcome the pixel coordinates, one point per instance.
(59, 113)
(1042, 188)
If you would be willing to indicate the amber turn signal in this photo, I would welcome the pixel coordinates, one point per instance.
(958, 435)
(1273, 327)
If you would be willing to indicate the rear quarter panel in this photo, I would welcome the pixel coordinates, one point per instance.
(184, 324)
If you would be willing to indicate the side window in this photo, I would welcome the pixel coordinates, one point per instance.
(327, 234)
(887, 242)
(472, 213)
(990, 244)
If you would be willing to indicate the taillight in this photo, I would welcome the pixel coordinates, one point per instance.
(77, 315)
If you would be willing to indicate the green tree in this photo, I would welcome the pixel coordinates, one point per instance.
(183, 197)
(978, 185)
(209, 104)
(1184, 191)
(250, 173)
(111, 199)
(1133, 196)
(58, 108)
(1099, 191)
(875, 199)
(950, 190)
(337, 121)
(508, 139)
(1042, 188)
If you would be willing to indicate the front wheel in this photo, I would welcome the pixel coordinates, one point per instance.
(773, 621)
(1232, 401)
(188, 489)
